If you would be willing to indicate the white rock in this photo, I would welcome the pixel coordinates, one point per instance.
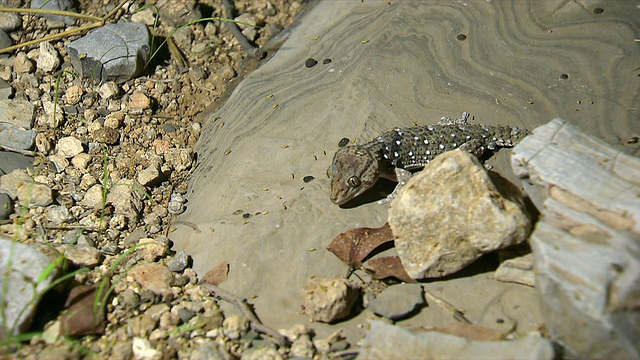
(450, 214)
(586, 248)
(69, 147)
(48, 60)
(142, 350)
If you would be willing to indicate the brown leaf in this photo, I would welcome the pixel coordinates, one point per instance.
(388, 266)
(353, 246)
(83, 317)
(218, 274)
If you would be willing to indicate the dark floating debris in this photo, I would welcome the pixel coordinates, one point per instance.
(311, 62)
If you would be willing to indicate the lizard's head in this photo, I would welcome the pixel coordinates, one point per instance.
(354, 170)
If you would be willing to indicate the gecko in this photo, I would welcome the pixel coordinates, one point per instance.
(394, 154)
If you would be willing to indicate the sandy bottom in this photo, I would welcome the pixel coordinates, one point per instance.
(512, 63)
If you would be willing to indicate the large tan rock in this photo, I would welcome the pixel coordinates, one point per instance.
(450, 213)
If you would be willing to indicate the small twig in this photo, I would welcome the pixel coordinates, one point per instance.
(50, 12)
(455, 313)
(253, 51)
(98, 23)
(248, 312)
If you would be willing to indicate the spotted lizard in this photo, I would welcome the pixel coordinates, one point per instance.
(392, 155)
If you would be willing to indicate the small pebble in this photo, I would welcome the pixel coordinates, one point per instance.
(308, 179)
(326, 61)
(311, 62)
(343, 142)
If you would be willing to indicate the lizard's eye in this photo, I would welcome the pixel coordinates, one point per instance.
(354, 181)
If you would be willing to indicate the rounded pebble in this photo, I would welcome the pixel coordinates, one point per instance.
(311, 62)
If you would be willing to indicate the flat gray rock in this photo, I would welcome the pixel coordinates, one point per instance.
(20, 266)
(386, 341)
(114, 52)
(398, 301)
(510, 63)
(586, 249)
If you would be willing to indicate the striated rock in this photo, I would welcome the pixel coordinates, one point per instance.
(385, 341)
(116, 52)
(586, 248)
(398, 301)
(21, 268)
(328, 300)
(450, 214)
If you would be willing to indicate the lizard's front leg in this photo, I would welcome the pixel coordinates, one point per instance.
(402, 176)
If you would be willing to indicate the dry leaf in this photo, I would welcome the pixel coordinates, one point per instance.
(388, 266)
(353, 246)
(218, 274)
